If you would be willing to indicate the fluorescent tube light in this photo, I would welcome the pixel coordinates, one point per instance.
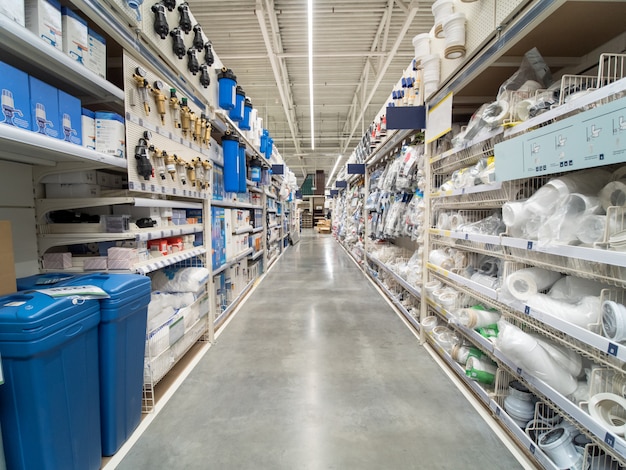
(310, 24)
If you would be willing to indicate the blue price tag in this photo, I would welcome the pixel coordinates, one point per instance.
(519, 371)
(498, 411)
(529, 246)
(143, 186)
(609, 439)
(527, 310)
(613, 349)
(467, 236)
(532, 449)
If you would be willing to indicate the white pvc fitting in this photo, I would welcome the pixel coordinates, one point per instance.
(521, 411)
(431, 68)
(421, 43)
(440, 258)
(441, 10)
(591, 228)
(429, 323)
(432, 286)
(443, 221)
(495, 113)
(455, 221)
(522, 109)
(454, 32)
(558, 445)
(525, 283)
(602, 408)
(476, 318)
(614, 321)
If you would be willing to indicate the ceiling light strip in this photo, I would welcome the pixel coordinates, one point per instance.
(310, 26)
(332, 173)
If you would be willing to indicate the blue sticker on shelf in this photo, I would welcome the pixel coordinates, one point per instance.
(527, 310)
(613, 349)
(529, 245)
(498, 411)
(609, 439)
(519, 371)
(532, 449)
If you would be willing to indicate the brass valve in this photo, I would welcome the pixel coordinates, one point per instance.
(159, 98)
(185, 116)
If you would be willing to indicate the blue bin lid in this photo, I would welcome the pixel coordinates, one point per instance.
(41, 281)
(29, 316)
(122, 288)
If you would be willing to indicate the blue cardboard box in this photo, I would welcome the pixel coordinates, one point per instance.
(70, 117)
(15, 97)
(44, 108)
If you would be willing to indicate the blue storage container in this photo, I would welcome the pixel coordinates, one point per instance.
(244, 125)
(49, 403)
(230, 145)
(243, 169)
(122, 340)
(236, 114)
(227, 82)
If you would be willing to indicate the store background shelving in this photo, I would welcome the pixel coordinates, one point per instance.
(498, 35)
(28, 160)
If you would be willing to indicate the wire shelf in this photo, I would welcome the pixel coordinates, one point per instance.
(465, 157)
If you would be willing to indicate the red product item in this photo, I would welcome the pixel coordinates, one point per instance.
(158, 245)
(175, 244)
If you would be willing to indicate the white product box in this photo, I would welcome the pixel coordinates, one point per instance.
(57, 260)
(61, 190)
(14, 10)
(75, 42)
(43, 17)
(96, 263)
(110, 134)
(96, 57)
(167, 212)
(106, 180)
(88, 124)
(122, 263)
(74, 177)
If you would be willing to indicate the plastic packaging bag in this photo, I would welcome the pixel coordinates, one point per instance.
(180, 279)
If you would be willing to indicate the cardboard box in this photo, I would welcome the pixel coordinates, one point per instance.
(70, 118)
(98, 263)
(57, 190)
(110, 134)
(14, 10)
(57, 260)
(43, 17)
(15, 97)
(7, 261)
(75, 37)
(88, 128)
(44, 108)
(96, 57)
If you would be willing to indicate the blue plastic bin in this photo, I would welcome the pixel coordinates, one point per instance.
(49, 403)
(236, 114)
(122, 341)
(227, 83)
(230, 145)
(265, 135)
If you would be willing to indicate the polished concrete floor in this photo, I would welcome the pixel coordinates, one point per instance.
(317, 372)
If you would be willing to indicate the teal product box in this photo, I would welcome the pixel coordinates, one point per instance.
(70, 118)
(88, 126)
(75, 38)
(44, 108)
(15, 97)
(43, 17)
(218, 183)
(96, 57)
(110, 134)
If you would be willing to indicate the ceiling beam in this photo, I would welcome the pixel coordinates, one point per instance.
(379, 78)
(277, 68)
(403, 6)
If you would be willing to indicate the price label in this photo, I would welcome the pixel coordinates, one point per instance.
(532, 449)
(527, 310)
(609, 439)
(498, 411)
(529, 245)
(519, 371)
(613, 349)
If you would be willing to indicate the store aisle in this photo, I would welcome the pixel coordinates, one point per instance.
(317, 372)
